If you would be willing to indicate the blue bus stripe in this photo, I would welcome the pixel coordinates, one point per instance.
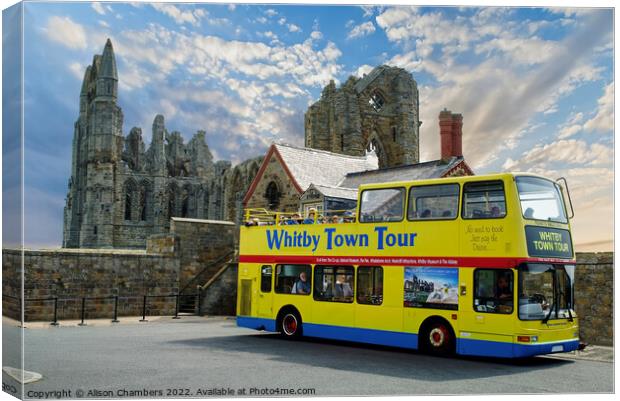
(464, 346)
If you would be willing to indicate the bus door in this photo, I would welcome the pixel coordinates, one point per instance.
(265, 298)
(488, 315)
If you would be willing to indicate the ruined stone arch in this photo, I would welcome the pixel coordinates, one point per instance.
(252, 171)
(146, 201)
(236, 190)
(186, 200)
(205, 195)
(374, 143)
(131, 196)
(172, 192)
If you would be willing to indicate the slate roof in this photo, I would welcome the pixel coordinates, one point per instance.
(419, 171)
(336, 192)
(319, 167)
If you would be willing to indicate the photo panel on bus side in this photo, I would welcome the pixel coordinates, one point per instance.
(431, 287)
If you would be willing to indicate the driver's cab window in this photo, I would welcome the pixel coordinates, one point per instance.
(493, 291)
(265, 278)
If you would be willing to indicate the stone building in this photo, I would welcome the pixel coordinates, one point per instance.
(292, 179)
(120, 191)
(378, 112)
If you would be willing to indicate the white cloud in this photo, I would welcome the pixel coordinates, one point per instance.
(566, 151)
(406, 23)
(282, 21)
(316, 35)
(270, 12)
(261, 20)
(364, 69)
(103, 24)
(368, 10)
(77, 70)
(232, 7)
(361, 30)
(98, 8)
(181, 16)
(293, 28)
(63, 30)
(603, 121)
(528, 51)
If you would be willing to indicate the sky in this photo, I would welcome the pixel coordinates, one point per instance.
(534, 85)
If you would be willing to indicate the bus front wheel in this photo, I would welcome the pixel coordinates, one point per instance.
(290, 324)
(438, 338)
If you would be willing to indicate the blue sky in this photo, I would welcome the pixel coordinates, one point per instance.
(535, 86)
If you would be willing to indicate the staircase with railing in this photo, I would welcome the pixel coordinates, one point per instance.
(191, 293)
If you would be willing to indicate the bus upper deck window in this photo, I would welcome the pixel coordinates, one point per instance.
(484, 200)
(382, 205)
(433, 202)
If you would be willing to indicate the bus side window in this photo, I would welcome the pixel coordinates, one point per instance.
(433, 202)
(293, 279)
(493, 291)
(370, 285)
(265, 278)
(385, 204)
(334, 283)
(484, 200)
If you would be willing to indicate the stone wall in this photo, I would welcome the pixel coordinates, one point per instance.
(220, 298)
(594, 297)
(73, 274)
(201, 243)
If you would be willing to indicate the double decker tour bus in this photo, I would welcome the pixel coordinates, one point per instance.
(478, 265)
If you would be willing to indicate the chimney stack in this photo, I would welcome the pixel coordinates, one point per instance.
(451, 132)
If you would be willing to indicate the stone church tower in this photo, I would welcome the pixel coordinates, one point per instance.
(378, 112)
(120, 192)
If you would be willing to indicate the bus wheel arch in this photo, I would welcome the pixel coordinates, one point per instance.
(289, 323)
(436, 336)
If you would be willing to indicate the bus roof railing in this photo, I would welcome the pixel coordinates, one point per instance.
(261, 216)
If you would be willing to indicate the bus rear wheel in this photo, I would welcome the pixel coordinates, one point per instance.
(438, 339)
(290, 324)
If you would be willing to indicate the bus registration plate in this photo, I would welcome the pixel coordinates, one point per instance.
(557, 348)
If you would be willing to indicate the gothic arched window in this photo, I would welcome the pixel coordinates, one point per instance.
(206, 204)
(131, 196)
(143, 204)
(127, 206)
(171, 206)
(273, 195)
(184, 207)
(376, 101)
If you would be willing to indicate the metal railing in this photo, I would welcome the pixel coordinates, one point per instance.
(259, 216)
(116, 298)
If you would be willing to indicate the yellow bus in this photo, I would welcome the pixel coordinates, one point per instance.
(477, 265)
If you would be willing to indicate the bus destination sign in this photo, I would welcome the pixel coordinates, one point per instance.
(548, 242)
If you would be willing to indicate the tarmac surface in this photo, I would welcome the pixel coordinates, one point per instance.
(212, 357)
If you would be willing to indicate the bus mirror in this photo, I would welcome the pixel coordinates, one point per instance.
(567, 195)
(463, 290)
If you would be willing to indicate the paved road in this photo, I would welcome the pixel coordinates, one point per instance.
(198, 353)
